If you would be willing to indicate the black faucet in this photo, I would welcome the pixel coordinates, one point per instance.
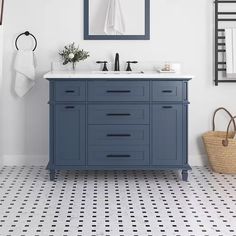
(117, 62)
(104, 65)
(128, 66)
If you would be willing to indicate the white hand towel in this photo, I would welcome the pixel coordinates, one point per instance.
(230, 43)
(114, 23)
(25, 72)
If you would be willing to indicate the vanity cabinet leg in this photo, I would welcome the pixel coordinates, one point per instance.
(184, 175)
(52, 174)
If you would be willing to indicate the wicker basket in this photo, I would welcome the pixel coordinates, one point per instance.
(221, 147)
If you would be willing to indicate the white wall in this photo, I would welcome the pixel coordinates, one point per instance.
(181, 30)
(1, 56)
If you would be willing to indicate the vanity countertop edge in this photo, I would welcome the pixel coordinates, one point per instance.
(60, 75)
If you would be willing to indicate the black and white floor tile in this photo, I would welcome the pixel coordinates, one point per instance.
(116, 203)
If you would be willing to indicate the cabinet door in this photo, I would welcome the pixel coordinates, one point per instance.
(69, 135)
(167, 135)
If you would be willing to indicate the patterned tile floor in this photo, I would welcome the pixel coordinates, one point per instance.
(116, 203)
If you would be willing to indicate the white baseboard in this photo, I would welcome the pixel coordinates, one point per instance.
(26, 160)
(198, 160)
(42, 160)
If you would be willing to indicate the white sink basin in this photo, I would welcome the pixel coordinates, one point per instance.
(118, 72)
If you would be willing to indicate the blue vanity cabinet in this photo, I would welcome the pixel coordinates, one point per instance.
(118, 124)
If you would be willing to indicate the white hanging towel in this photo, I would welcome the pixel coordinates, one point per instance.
(114, 23)
(230, 44)
(25, 71)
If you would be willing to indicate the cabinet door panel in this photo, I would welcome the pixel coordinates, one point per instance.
(70, 135)
(167, 133)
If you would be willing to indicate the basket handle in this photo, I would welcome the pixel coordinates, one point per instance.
(225, 141)
(213, 120)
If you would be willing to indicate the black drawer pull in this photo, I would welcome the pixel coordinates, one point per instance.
(167, 91)
(118, 91)
(118, 114)
(70, 91)
(167, 107)
(118, 135)
(117, 156)
(69, 107)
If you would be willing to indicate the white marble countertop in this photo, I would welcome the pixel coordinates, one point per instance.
(114, 75)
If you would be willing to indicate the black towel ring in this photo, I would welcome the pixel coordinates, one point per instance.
(27, 33)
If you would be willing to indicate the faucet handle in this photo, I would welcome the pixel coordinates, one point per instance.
(128, 66)
(104, 65)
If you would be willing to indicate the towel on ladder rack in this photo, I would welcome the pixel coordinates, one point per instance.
(25, 72)
(230, 44)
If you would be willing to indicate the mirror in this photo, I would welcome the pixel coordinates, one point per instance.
(117, 19)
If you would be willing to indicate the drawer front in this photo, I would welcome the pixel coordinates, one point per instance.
(118, 114)
(119, 156)
(167, 91)
(118, 135)
(70, 91)
(118, 90)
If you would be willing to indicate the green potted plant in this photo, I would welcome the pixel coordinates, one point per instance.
(73, 54)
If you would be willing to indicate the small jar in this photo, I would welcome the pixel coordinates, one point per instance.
(167, 67)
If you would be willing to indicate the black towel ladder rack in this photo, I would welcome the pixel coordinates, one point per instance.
(221, 65)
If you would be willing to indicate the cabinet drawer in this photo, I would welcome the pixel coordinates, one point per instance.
(118, 90)
(118, 135)
(167, 91)
(113, 155)
(118, 114)
(70, 91)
